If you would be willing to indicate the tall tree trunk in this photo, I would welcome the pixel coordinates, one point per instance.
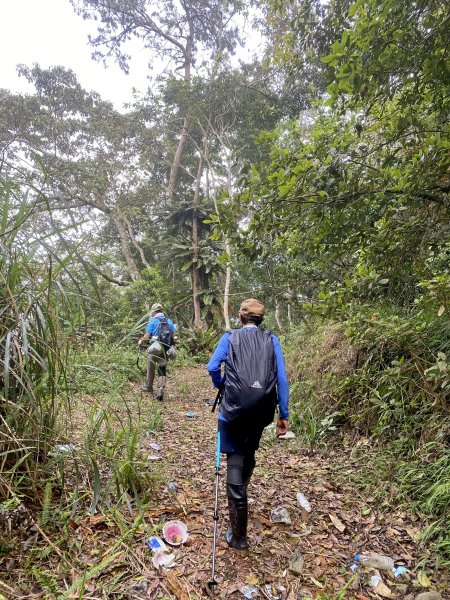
(227, 286)
(184, 133)
(277, 317)
(196, 286)
(125, 246)
(289, 314)
(226, 290)
(196, 280)
(289, 306)
(136, 244)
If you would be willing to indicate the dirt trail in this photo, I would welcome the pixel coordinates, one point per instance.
(341, 524)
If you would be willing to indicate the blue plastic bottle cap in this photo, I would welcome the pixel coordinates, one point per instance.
(356, 559)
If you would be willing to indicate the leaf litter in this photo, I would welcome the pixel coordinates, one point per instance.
(323, 539)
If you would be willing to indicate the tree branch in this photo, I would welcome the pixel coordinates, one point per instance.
(106, 276)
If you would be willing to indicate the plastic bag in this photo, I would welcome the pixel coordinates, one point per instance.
(171, 352)
(155, 348)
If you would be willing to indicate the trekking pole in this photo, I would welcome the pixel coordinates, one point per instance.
(139, 353)
(218, 398)
(212, 584)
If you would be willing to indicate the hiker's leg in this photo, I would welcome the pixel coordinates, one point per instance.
(150, 373)
(161, 384)
(248, 466)
(251, 445)
(236, 535)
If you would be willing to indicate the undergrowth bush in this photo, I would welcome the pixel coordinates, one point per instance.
(113, 418)
(383, 374)
(198, 343)
(101, 367)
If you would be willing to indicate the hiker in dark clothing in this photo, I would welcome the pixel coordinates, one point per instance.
(157, 350)
(254, 383)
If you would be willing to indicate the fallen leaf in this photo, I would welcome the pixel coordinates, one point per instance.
(252, 580)
(317, 583)
(423, 579)
(176, 587)
(382, 590)
(413, 533)
(263, 519)
(337, 522)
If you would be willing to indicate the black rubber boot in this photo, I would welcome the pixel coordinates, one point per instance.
(236, 536)
(247, 469)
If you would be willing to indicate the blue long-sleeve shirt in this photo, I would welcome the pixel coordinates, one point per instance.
(153, 324)
(220, 356)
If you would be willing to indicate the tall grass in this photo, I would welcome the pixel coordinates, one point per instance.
(33, 352)
(43, 375)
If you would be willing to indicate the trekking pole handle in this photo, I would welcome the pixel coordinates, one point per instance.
(218, 398)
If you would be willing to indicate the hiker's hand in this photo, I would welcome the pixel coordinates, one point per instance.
(282, 427)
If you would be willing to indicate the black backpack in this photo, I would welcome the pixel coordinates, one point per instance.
(250, 377)
(164, 333)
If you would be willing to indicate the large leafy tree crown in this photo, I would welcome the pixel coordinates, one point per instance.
(177, 30)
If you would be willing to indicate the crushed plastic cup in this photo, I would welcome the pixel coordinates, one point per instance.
(375, 580)
(273, 592)
(249, 592)
(63, 448)
(280, 515)
(175, 533)
(303, 502)
(162, 559)
(156, 544)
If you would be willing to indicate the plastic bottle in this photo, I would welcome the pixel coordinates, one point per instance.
(376, 561)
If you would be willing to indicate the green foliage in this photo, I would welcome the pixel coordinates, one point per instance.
(46, 503)
(125, 310)
(47, 581)
(102, 368)
(199, 343)
(372, 373)
(33, 350)
(154, 421)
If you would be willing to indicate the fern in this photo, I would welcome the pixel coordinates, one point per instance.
(79, 584)
(46, 580)
(46, 502)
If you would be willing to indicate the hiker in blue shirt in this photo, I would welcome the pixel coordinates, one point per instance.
(256, 357)
(157, 351)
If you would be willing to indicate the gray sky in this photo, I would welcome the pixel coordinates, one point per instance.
(48, 32)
